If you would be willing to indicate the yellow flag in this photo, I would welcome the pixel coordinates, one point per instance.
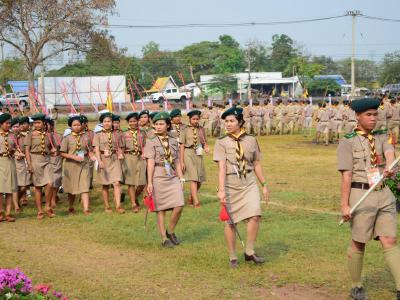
(109, 102)
(273, 92)
(283, 94)
(305, 94)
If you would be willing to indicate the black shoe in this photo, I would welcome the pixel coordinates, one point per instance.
(167, 244)
(358, 293)
(258, 260)
(398, 295)
(233, 263)
(172, 237)
(122, 197)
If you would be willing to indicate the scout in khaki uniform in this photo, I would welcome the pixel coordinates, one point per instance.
(76, 149)
(279, 113)
(192, 145)
(144, 123)
(205, 118)
(15, 130)
(349, 116)
(323, 118)
(290, 118)
(109, 156)
(362, 156)
(8, 183)
(55, 162)
(239, 163)
(90, 134)
(383, 113)
(24, 177)
(134, 165)
(394, 121)
(38, 148)
(268, 118)
(164, 178)
(308, 117)
(176, 123)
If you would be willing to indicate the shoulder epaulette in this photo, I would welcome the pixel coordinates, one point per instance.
(350, 135)
(380, 131)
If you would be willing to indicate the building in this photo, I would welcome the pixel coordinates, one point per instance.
(161, 84)
(268, 83)
(345, 89)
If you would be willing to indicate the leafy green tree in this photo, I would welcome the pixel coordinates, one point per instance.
(224, 83)
(282, 51)
(330, 66)
(366, 71)
(323, 87)
(390, 68)
(304, 69)
(13, 69)
(258, 53)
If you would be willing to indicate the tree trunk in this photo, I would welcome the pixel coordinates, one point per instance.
(31, 77)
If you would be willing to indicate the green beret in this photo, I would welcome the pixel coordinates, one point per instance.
(132, 115)
(144, 112)
(105, 115)
(14, 121)
(116, 118)
(23, 120)
(38, 117)
(175, 112)
(161, 116)
(365, 104)
(74, 118)
(153, 114)
(84, 119)
(194, 113)
(4, 117)
(232, 111)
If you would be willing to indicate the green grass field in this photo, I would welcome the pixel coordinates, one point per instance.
(113, 257)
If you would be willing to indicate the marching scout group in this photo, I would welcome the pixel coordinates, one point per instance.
(158, 154)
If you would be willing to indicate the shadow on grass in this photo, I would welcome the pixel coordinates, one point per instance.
(272, 250)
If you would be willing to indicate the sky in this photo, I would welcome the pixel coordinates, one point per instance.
(331, 37)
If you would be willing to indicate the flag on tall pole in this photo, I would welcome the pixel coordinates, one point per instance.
(109, 102)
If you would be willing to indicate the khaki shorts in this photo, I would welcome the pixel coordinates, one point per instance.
(375, 217)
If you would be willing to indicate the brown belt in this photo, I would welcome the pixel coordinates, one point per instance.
(40, 153)
(132, 153)
(111, 152)
(365, 186)
(159, 164)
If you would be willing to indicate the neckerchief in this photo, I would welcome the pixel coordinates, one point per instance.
(195, 140)
(239, 152)
(77, 137)
(6, 144)
(136, 149)
(167, 151)
(109, 139)
(371, 140)
(42, 134)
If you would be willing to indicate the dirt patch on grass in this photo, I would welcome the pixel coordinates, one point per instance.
(303, 292)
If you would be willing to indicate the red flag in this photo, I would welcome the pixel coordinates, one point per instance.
(223, 215)
(149, 202)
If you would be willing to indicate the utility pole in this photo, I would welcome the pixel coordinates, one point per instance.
(249, 74)
(2, 61)
(353, 14)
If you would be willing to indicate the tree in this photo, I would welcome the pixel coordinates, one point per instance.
(13, 69)
(304, 69)
(42, 29)
(323, 87)
(224, 84)
(331, 67)
(366, 71)
(283, 51)
(390, 70)
(258, 53)
(150, 49)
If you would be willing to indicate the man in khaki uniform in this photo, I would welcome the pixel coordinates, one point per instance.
(268, 118)
(247, 118)
(279, 113)
(256, 118)
(349, 118)
(205, 119)
(308, 116)
(383, 112)
(394, 119)
(323, 118)
(362, 156)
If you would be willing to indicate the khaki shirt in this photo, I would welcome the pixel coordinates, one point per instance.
(128, 141)
(154, 149)
(383, 112)
(101, 141)
(34, 141)
(353, 154)
(11, 144)
(225, 150)
(186, 137)
(394, 112)
(324, 115)
(69, 143)
(176, 130)
(308, 111)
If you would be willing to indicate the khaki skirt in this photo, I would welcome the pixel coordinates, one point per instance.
(134, 170)
(167, 190)
(55, 166)
(24, 178)
(8, 171)
(112, 171)
(41, 170)
(194, 166)
(242, 197)
(76, 177)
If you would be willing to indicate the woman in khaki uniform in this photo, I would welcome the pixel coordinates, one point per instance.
(134, 165)
(38, 148)
(109, 156)
(192, 145)
(24, 177)
(239, 162)
(76, 150)
(15, 131)
(144, 123)
(90, 134)
(55, 162)
(176, 123)
(163, 177)
(8, 184)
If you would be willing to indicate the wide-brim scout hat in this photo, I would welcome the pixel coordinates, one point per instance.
(144, 112)
(153, 114)
(194, 112)
(116, 118)
(74, 118)
(4, 117)
(175, 113)
(38, 117)
(232, 111)
(105, 115)
(161, 116)
(14, 121)
(23, 120)
(365, 104)
(132, 115)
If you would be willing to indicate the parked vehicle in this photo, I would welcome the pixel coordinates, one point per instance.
(171, 94)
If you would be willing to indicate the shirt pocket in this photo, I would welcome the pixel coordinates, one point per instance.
(249, 154)
(360, 159)
(159, 152)
(231, 155)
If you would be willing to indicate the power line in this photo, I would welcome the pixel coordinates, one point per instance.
(380, 19)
